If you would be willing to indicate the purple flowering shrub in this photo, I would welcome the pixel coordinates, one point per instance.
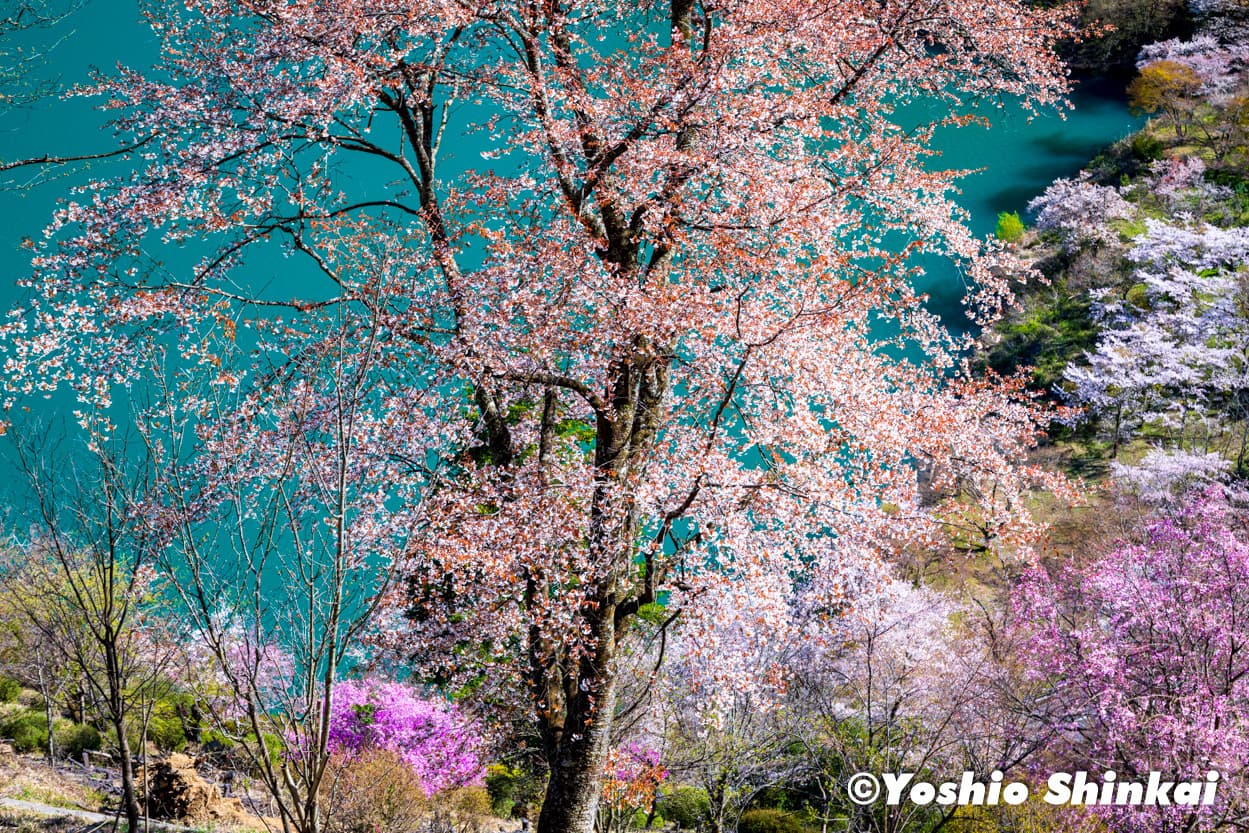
(1147, 650)
(438, 743)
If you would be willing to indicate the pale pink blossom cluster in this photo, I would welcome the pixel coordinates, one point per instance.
(1079, 211)
(1220, 65)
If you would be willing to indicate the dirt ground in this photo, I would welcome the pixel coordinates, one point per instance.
(72, 786)
(29, 778)
(29, 823)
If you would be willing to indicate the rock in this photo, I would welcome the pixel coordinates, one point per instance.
(177, 792)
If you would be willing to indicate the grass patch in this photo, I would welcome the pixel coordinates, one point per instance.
(89, 800)
(1128, 230)
(1046, 335)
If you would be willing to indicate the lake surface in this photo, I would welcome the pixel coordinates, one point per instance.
(1020, 157)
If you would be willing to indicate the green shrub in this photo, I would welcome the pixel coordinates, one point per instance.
(685, 806)
(775, 797)
(27, 730)
(500, 783)
(1010, 228)
(1146, 147)
(9, 689)
(1138, 296)
(167, 732)
(768, 821)
(72, 739)
(219, 741)
(638, 820)
(164, 732)
(513, 790)
(272, 744)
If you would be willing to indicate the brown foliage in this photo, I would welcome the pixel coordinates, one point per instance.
(373, 791)
(464, 810)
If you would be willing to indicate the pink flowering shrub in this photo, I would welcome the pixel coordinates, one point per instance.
(233, 673)
(1147, 648)
(434, 739)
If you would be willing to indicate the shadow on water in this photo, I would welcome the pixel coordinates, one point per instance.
(1012, 198)
(1059, 145)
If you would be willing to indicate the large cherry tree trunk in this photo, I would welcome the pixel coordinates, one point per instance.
(577, 754)
(576, 696)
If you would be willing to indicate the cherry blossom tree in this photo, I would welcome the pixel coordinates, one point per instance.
(1163, 476)
(906, 679)
(1178, 187)
(745, 751)
(730, 741)
(1145, 649)
(1079, 211)
(246, 671)
(661, 349)
(1176, 357)
(1218, 65)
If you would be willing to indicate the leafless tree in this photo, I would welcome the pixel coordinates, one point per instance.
(96, 606)
(32, 641)
(275, 557)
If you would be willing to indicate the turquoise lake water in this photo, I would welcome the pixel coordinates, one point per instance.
(1020, 157)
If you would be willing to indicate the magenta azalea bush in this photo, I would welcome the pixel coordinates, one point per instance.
(1147, 649)
(443, 747)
